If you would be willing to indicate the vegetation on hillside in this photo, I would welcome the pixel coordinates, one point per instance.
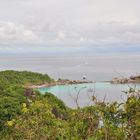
(12, 92)
(11, 77)
(47, 118)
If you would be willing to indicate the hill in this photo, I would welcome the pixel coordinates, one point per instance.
(48, 118)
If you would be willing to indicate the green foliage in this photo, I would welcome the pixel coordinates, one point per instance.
(10, 103)
(38, 122)
(47, 118)
(56, 102)
(12, 92)
(11, 77)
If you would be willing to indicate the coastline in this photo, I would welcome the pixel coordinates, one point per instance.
(60, 82)
(74, 82)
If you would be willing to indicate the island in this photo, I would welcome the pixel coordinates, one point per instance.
(123, 80)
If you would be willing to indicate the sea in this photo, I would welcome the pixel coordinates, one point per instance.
(98, 65)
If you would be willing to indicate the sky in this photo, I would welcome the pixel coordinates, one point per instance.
(42, 24)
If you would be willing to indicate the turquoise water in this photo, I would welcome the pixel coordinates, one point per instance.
(68, 93)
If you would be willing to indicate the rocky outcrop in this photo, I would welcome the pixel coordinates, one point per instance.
(66, 81)
(135, 78)
(119, 80)
(131, 79)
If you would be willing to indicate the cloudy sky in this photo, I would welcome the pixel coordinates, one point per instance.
(49, 23)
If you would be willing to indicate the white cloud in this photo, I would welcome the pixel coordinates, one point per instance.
(11, 33)
(70, 21)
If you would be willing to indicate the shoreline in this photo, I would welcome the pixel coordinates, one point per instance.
(46, 85)
(74, 82)
(63, 82)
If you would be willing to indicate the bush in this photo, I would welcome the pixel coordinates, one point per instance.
(47, 117)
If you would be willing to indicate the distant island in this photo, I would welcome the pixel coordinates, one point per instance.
(123, 80)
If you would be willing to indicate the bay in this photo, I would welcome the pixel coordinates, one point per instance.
(103, 91)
